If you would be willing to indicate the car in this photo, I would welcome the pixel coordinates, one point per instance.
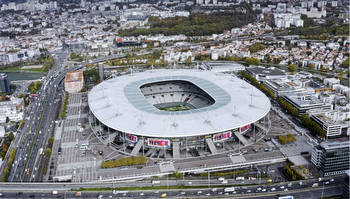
(183, 193)
(199, 192)
(208, 194)
(263, 190)
(248, 191)
(258, 189)
(331, 180)
(273, 189)
(1, 195)
(282, 187)
(285, 189)
(141, 194)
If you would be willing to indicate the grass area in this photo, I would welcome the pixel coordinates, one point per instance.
(175, 108)
(19, 69)
(47, 63)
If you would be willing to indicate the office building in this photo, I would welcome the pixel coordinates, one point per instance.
(4, 83)
(305, 102)
(331, 158)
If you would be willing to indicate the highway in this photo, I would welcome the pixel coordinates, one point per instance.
(39, 124)
(37, 190)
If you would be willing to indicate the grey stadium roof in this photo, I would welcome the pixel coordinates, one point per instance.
(119, 104)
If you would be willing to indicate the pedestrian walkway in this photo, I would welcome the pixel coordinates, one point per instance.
(211, 145)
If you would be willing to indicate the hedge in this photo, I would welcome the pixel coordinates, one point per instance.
(139, 160)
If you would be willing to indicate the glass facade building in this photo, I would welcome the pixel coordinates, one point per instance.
(331, 158)
(4, 83)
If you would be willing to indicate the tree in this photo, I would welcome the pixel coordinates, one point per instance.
(252, 61)
(256, 47)
(7, 120)
(292, 68)
(11, 136)
(345, 63)
(311, 66)
(276, 60)
(188, 61)
(73, 55)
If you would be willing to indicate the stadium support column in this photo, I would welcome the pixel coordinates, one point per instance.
(185, 147)
(254, 132)
(109, 135)
(143, 147)
(124, 142)
(223, 146)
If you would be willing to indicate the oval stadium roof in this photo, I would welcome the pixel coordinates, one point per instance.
(119, 104)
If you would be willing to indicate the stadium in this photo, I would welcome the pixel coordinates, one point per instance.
(177, 113)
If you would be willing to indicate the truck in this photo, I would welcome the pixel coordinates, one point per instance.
(239, 178)
(77, 194)
(229, 189)
(155, 182)
(286, 197)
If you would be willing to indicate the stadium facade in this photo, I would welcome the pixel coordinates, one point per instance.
(177, 113)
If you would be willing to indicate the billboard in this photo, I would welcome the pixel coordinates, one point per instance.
(161, 143)
(244, 128)
(131, 138)
(222, 136)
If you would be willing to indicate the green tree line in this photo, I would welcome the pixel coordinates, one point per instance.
(8, 167)
(258, 85)
(65, 104)
(312, 125)
(287, 106)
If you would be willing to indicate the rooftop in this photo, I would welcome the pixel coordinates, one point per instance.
(74, 76)
(119, 104)
(335, 145)
(265, 71)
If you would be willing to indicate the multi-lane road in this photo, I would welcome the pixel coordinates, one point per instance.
(31, 141)
(326, 188)
(39, 125)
